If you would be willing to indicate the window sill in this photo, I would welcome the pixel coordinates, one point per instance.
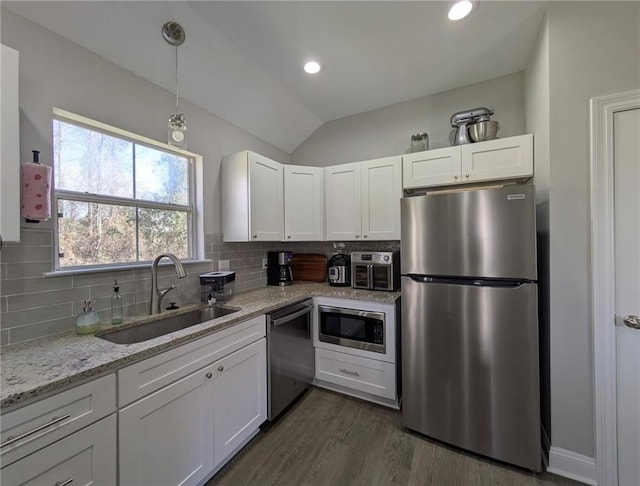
(116, 268)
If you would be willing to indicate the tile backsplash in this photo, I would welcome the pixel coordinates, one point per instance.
(32, 306)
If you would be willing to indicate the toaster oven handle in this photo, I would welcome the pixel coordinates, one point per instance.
(370, 276)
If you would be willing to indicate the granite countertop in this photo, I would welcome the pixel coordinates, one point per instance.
(35, 369)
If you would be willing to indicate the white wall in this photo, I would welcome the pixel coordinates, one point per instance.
(57, 72)
(594, 50)
(387, 131)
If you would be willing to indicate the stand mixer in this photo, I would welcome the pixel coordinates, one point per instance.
(463, 119)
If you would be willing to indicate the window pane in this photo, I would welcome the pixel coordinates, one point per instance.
(162, 231)
(161, 177)
(90, 161)
(94, 234)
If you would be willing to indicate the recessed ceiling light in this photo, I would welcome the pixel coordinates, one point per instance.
(312, 67)
(460, 10)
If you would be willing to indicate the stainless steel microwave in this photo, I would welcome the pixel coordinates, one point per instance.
(377, 270)
(352, 328)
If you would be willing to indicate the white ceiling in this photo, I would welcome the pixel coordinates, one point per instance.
(243, 60)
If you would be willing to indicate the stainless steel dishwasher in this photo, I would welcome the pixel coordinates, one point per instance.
(290, 355)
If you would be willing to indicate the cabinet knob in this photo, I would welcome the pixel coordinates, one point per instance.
(289, 237)
(255, 236)
(467, 176)
(220, 368)
(209, 375)
(357, 236)
(455, 177)
(365, 236)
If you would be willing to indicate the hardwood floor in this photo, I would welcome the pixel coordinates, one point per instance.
(331, 439)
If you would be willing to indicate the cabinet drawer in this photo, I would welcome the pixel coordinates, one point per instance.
(87, 457)
(147, 376)
(35, 426)
(362, 374)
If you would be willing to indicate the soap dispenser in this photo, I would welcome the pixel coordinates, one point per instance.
(88, 321)
(116, 304)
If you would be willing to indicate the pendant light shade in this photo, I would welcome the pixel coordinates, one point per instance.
(174, 35)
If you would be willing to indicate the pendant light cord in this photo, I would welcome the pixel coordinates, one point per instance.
(177, 80)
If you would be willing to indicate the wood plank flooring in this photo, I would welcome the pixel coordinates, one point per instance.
(330, 439)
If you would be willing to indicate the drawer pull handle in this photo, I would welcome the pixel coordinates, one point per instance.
(209, 375)
(64, 483)
(349, 372)
(55, 420)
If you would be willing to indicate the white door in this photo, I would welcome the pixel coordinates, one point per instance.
(167, 437)
(266, 199)
(343, 206)
(627, 290)
(303, 198)
(240, 397)
(381, 194)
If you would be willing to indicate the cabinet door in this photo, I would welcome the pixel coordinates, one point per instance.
(87, 457)
(166, 438)
(240, 397)
(266, 199)
(303, 198)
(506, 158)
(431, 168)
(381, 193)
(343, 205)
(9, 146)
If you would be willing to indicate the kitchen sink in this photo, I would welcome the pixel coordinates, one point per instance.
(150, 330)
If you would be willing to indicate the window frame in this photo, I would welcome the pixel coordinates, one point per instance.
(194, 208)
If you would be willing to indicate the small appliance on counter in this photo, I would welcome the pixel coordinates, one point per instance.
(217, 285)
(339, 270)
(463, 120)
(375, 270)
(279, 268)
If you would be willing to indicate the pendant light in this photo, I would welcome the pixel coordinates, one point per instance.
(174, 35)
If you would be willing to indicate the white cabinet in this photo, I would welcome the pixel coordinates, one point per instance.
(167, 437)
(303, 203)
(252, 198)
(196, 406)
(342, 201)
(87, 457)
(239, 402)
(363, 200)
(9, 146)
(501, 159)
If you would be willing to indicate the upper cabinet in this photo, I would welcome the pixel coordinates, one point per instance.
(303, 203)
(506, 158)
(363, 200)
(252, 198)
(10, 147)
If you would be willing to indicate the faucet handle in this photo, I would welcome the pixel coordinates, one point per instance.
(167, 290)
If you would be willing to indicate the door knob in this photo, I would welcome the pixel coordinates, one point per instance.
(631, 321)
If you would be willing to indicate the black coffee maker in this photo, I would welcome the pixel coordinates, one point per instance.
(279, 268)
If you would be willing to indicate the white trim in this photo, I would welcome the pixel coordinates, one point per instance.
(572, 465)
(603, 279)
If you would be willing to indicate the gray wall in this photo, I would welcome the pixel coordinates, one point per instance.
(536, 89)
(387, 131)
(56, 72)
(594, 50)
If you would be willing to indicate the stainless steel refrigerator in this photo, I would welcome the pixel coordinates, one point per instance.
(470, 366)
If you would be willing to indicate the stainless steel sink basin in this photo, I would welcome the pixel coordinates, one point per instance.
(150, 330)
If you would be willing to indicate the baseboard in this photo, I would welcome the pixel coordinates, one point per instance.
(572, 465)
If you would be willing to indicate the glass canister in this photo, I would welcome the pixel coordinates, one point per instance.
(419, 142)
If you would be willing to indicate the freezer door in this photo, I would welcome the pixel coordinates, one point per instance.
(479, 233)
(470, 368)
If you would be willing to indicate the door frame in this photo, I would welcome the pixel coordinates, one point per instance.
(602, 110)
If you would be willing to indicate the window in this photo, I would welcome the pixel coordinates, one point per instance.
(121, 199)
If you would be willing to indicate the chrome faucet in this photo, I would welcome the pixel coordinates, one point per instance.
(157, 294)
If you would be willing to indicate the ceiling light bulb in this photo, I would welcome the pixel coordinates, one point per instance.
(312, 67)
(460, 10)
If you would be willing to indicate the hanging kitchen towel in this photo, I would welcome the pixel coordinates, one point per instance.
(36, 192)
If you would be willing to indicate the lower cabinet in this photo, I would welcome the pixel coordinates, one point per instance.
(181, 433)
(87, 457)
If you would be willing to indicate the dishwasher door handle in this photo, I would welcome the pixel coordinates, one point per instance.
(290, 317)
